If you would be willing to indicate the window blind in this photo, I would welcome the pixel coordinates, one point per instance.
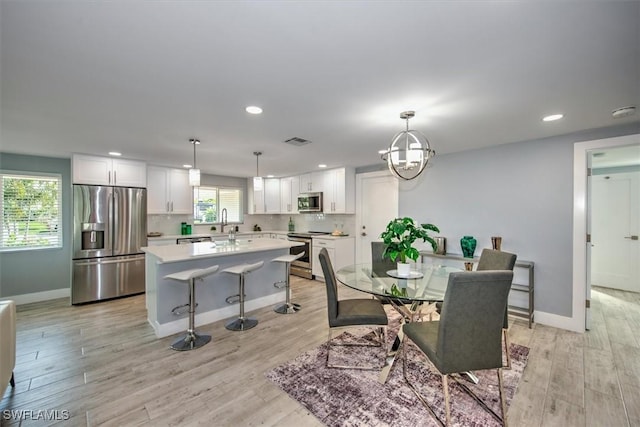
(31, 211)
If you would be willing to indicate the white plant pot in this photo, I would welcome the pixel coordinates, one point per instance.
(404, 269)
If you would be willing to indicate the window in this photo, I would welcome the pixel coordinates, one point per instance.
(208, 203)
(31, 211)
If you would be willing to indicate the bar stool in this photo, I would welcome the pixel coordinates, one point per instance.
(191, 340)
(288, 307)
(241, 323)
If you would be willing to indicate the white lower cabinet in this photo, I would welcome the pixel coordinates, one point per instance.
(341, 253)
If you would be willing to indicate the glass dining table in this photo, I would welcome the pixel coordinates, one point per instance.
(413, 296)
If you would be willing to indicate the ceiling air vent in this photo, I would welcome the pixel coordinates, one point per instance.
(297, 141)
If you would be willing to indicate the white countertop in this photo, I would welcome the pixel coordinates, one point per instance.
(213, 235)
(175, 253)
(331, 237)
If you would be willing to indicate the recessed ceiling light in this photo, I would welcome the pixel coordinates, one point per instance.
(623, 112)
(115, 153)
(552, 117)
(269, 176)
(187, 166)
(322, 165)
(252, 109)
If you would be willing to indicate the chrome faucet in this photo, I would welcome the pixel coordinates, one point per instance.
(223, 219)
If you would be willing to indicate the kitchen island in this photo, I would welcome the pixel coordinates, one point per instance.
(163, 295)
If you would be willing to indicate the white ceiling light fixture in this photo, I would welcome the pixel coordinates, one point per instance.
(322, 165)
(194, 173)
(115, 153)
(257, 180)
(409, 152)
(552, 117)
(252, 109)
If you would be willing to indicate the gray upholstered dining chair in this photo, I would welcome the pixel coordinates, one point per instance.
(491, 259)
(351, 312)
(468, 336)
(380, 264)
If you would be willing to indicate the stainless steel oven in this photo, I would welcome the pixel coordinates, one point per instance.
(302, 266)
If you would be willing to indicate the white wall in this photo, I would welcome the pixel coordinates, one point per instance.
(520, 191)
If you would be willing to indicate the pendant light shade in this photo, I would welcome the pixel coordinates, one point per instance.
(194, 173)
(409, 151)
(258, 185)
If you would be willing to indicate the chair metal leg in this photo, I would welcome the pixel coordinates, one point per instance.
(481, 402)
(381, 334)
(445, 390)
(507, 346)
(191, 340)
(422, 400)
(503, 401)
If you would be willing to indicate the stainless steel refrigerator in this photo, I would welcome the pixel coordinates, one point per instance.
(109, 228)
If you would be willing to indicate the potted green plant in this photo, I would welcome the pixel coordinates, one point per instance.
(399, 237)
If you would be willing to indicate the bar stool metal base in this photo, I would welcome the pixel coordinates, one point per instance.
(287, 308)
(190, 341)
(241, 324)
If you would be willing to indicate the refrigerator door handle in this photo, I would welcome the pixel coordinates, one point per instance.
(107, 261)
(115, 224)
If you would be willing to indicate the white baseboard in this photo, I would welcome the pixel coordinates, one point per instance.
(180, 325)
(40, 296)
(556, 321)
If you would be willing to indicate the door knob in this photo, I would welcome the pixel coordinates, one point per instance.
(631, 237)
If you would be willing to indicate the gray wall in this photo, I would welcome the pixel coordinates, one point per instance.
(520, 191)
(24, 272)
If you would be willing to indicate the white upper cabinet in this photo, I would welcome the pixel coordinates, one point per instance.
(256, 198)
(289, 190)
(95, 170)
(271, 195)
(169, 191)
(266, 200)
(339, 191)
(311, 182)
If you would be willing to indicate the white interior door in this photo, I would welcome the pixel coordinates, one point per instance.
(615, 212)
(377, 204)
(589, 244)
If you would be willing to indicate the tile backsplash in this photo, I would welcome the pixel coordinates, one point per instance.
(170, 224)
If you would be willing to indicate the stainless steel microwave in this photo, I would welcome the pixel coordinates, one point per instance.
(309, 202)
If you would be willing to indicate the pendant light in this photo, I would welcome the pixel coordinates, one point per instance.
(257, 180)
(409, 151)
(194, 173)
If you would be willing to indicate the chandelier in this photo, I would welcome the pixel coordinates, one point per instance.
(409, 152)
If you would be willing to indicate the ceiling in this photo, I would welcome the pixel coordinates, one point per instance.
(143, 77)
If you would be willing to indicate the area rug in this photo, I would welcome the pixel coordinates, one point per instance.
(352, 397)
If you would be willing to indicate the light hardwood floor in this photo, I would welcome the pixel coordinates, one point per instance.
(103, 364)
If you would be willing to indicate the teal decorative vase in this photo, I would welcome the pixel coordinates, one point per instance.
(468, 245)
